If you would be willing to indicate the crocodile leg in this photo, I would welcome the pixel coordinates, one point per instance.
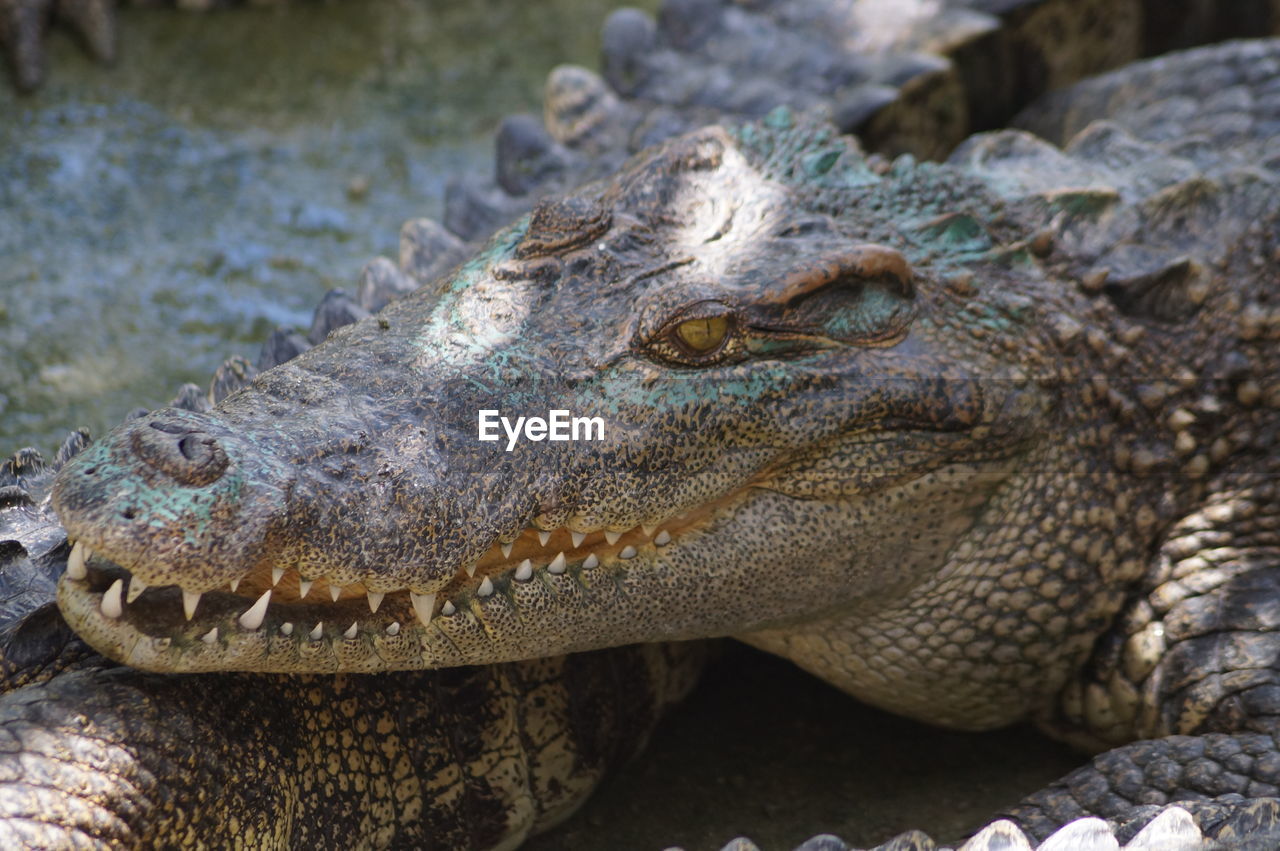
(474, 757)
(1191, 670)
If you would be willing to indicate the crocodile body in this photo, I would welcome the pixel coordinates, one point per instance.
(1016, 264)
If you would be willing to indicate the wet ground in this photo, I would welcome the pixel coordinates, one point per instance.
(166, 213)
(766, 751)
(161, 216)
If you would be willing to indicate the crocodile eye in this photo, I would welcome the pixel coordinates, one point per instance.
(703, 335)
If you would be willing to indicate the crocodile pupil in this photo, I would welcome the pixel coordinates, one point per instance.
(703, 335)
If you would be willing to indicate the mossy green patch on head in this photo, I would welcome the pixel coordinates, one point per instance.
(501, 246)
(1087, 202)
(816, 165)
(804, 153)
(954, 233)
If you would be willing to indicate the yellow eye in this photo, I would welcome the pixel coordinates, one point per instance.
(703, 335)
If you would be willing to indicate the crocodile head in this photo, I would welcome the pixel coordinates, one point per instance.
(790, 414)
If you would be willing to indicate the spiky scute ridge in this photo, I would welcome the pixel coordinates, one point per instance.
(1232, 823)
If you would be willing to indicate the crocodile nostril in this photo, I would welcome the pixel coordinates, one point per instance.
(193, 446)
(180, 450)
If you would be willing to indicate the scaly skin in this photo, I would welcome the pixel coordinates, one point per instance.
(96, 755)
(934, 348)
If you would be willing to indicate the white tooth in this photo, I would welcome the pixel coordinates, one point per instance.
(612, 536)
(393, 628)
(525, 571)
(663, 538)
(485, 589)
(627, 552)
(235, 583)
(335, 591)
(578, 538)
(375, 599)
(557, 564)
(286, 628)
(252, 619)
(210, 636)
(471, 570)
(506, 548)
(315, 634)
(111, 605)
(648, 530)
(190, 599)
(448, 608)
(543, 537)
(136, 587)
(351, 630)
(277, 573)
(75, 562)
(590, 561)
(304, 587)
(423, 606)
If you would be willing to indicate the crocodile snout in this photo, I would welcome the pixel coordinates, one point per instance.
(188, 455)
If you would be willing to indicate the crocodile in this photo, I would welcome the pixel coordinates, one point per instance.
(1073, 367)
(142, 685)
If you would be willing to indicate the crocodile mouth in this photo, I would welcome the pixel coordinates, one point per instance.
(313, 624)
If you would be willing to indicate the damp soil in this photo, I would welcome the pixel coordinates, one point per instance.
(161, 215)
(766, 751)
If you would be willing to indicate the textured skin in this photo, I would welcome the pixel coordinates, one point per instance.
(1044, 479)
(93, 755)
(1141, 302)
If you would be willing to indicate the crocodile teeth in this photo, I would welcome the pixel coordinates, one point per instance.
(286, 628)
(577, 538)
(506, 548)
(277, 573)
(543, 537)
(190, 599)
(612, 536)
(304, 587)
(136, 587)
(485, 589)
(627, 552)
(448, 608)
(375, 599)
(351, 630)
(112, 606)
(335, 591)
(315, 634)
(525, 571)
(393, 628)
(423, 606)
(648, 530)
(252, 619)
(471, 570)
(210, 636)
(75, 561)
(590, 561)
(557, 564)
(235, 583)
(663, 538)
